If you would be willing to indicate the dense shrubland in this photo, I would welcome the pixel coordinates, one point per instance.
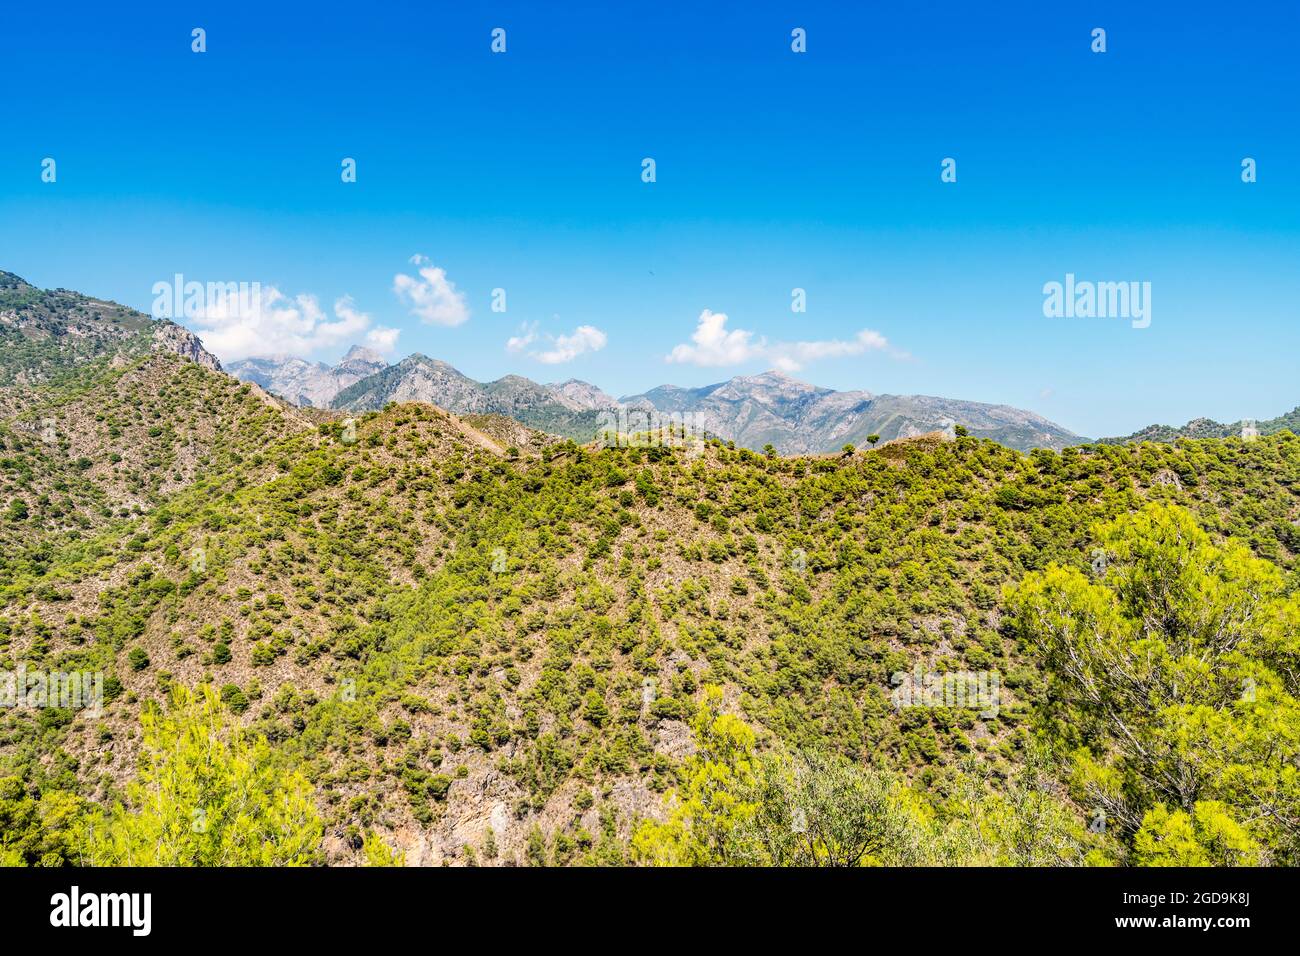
(1170, 725)
(489, 658)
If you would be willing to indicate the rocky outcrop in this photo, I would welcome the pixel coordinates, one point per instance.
(170, 337)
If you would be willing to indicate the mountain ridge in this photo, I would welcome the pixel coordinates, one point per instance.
(58, 337)
(1209, 428)
(795, 417)
(308, 383)
(768, 408)
(423, 379)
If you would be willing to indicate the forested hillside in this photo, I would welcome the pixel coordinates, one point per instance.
(414, 638)
(54, 340)
(1209, 428)
(480, 653)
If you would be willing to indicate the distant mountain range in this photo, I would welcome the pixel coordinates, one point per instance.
(418, 378)
(754, 411)
(309, 383)
(52, 336)
(1209, 428)
(797, 418)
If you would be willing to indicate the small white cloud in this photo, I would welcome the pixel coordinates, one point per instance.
(797, 354)
(713, 345)
(562, 348)
(566, 348)
(263, 321)
(431, 296)
(526, 337)
(383, 339)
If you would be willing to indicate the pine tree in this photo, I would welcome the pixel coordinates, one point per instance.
(207, 793)
(1174, 683)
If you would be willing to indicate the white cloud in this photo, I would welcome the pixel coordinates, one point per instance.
(383, 340)
(794, 355)
(431, 297)
(563, 348)
(713, 345)
(263, 321)
(526, 337)
(566, 348)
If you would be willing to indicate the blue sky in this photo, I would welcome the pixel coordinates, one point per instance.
(775, 171)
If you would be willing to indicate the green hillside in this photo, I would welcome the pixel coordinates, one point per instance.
(1208, 428)
(449, 642)
(414, 637)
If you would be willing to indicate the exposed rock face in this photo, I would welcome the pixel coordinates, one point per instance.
(798, 418)
(581, 396)
(309, 383)
(751, 410)
(361, 361)
(49, 334)
(418, 378)
(169, 337)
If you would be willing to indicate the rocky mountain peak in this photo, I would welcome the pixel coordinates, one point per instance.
(360, 353)
(305, 382)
